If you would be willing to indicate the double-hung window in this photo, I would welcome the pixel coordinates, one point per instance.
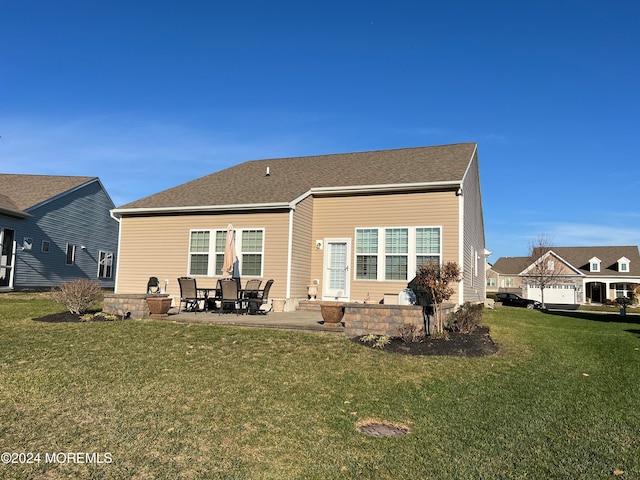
(206, 251)
(427, 245)
(367, 254)
(251, 253)
(395, 253)
(199, 246)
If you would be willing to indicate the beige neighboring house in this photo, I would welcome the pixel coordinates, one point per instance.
(585, 274)
(357, 225)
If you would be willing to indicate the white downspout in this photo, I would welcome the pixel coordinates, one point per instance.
(289, 255)
(460, 195)
(116, 266)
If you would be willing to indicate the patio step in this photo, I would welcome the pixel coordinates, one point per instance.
(309, 306)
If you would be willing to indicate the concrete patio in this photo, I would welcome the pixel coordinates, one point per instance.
(297, 320)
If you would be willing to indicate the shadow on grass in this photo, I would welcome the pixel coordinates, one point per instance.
(596, 316)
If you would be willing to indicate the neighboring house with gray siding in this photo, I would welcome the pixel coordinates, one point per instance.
(355, 224)
(588, 274)
(54, 229)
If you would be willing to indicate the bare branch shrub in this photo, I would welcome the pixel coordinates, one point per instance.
(439, 280)
(78, 295)
(466, 318)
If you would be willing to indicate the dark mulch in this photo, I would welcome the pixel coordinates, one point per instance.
(476, 344)
(67, 317)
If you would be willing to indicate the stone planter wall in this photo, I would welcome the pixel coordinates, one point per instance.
(364, 318)
(136, 303)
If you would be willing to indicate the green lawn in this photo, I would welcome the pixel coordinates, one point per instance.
(164, 400)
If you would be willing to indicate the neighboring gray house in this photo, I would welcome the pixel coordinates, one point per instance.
(592, 274)
(54, 229)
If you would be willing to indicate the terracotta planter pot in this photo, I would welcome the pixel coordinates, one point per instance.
(332, 312)
(159, 306)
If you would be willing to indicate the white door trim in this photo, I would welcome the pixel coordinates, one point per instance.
(334, 286)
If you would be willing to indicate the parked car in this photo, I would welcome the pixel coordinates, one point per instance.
(514, 300)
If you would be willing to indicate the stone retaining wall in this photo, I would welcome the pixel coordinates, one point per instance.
(135, 303)
(379, 319)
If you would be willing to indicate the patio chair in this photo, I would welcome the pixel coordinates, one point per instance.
(153, 285)
(261, 298)
(252, 287)
(189, 295)
(229, 299)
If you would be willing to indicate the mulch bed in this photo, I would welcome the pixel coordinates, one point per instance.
(68, 317)
(476, 344)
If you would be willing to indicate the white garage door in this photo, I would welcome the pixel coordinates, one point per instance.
(565, 294)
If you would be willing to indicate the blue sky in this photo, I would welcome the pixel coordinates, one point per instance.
(148, 95)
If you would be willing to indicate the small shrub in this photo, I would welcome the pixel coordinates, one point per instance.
(382, 341)
(466, 318)
(369, 338)
(411, 333)
(77, 296)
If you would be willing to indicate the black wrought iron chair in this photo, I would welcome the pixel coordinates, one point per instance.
(189, 295)
(262, 297)
(229, 296)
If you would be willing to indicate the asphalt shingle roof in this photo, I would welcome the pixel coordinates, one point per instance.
(22, 192)
(579, 258)
(289, 178)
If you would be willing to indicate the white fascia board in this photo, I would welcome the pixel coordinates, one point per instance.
(391, 188)
(200, 208)
(466, 172)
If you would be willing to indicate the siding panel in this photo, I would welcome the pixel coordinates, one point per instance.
(159, 247)
(338, 217)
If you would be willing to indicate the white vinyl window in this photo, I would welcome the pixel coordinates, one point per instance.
(394, 253)
(199, 252)
(206, 252)
(367, 254)
(70, 254)
(105, 264)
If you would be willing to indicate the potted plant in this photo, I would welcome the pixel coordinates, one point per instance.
(159, 305)
(332, 312)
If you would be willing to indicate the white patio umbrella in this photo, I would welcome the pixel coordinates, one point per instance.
(230, 257)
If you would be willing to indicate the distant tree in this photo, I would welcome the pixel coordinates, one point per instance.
(543, 269)
(438, 280)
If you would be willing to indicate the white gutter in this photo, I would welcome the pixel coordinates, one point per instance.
(202, 208)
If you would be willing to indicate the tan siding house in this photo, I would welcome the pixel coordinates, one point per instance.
(357, 224)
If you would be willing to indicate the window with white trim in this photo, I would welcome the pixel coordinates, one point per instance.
(367, 254)
(396, 253)
(199, 246)
(594, 264)
(507, 282)
(251, 253)
(623, 264)
(206, 252)
(392, 253)
(70, 254)
(105, 264)
(427, 245)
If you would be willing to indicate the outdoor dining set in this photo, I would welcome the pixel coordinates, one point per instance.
(227, 297)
